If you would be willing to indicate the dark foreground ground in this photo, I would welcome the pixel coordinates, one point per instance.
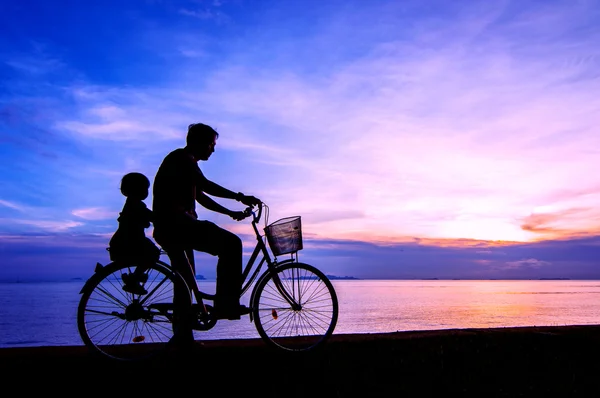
(507, 362)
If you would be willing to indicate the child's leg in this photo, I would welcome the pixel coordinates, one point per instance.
(140, 271)
(149, 254)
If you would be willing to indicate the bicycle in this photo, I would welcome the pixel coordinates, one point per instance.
(294, 305)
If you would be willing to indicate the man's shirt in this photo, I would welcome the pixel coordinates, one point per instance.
(175, 184)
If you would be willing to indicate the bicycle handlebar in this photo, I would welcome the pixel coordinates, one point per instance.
(249, 211)
(257, 216)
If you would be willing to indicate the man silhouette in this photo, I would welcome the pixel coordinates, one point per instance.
(178, 185)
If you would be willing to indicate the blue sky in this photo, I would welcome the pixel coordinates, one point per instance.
(416, 139)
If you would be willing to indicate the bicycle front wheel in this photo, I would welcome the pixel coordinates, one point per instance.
(125, 326)
(303, 320)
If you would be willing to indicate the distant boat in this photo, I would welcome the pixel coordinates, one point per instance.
(555, 279)
(330, 277)
(333, 277)
(200, 277)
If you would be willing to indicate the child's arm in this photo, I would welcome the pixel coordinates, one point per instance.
(144, 214)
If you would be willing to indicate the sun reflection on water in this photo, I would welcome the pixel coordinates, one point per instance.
(369, 306)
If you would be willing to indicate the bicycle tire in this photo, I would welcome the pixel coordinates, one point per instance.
(305, 327)
(122, 326)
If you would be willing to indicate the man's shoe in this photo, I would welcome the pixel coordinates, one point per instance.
(231, 314)
(183, 339)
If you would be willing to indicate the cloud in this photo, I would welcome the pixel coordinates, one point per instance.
(562, 222)
(486, 124)
(530, 262)
(37, 63)
(56, 226)
(467, 124)
(74, 254)
(134, 119)
(200, 14)
(212, 11)
(12, 205)
(43, 257)
(94, 213)
(192, 53)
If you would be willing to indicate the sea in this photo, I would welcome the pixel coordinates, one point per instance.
(44, 313)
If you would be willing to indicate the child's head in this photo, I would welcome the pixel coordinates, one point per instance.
(135, 186)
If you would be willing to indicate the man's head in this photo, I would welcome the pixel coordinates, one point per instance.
(201, 140)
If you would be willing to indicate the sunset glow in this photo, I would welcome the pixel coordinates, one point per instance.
(431, 124)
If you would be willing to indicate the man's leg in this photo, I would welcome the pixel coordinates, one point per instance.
(173, 237)
(227, 246)
(229, 273)
(182, 319)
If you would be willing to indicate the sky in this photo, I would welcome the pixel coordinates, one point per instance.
(416, 139)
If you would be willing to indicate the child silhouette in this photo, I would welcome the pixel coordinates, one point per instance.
(129, 243)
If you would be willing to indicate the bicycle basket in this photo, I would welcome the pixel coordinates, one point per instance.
(285, 235)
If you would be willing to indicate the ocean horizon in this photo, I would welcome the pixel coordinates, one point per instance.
(331, 277)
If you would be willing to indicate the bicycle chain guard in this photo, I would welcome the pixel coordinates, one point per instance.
(205, 320)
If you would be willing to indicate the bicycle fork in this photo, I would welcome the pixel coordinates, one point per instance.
(290, 298)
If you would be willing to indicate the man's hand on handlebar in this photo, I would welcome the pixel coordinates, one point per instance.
(240, 215)
(249, 200)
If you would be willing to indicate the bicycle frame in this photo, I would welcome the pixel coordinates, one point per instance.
(261, 248)
(248, 280)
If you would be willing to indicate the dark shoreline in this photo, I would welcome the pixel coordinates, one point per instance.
(508, 362)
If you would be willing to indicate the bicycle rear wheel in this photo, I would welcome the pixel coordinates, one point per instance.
(124, 326)
(308, 322)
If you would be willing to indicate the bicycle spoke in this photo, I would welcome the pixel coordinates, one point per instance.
(109, 317)
(313, 315)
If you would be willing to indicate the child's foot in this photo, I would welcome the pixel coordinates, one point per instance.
(133, 283)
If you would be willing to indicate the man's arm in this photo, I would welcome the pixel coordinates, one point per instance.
(215, 189)
(210, 204)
